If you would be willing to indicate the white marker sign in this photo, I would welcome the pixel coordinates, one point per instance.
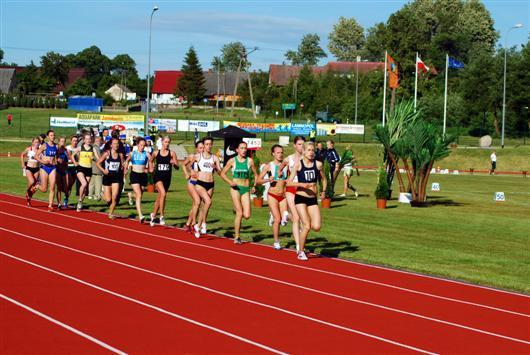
(435, 186)
(499, 196)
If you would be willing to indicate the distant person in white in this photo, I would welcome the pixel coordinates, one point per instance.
(493, 159)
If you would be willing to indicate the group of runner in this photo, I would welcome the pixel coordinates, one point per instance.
(292, 194)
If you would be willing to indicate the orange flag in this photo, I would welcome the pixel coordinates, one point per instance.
(393, 76)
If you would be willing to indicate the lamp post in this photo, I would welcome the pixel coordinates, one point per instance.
(155, 9)
(504, 81)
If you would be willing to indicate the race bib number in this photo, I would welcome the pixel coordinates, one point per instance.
(309, 175)
(163, 167)
(114, 166)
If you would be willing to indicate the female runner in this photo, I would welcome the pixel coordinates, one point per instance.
(30, 167)
(62, 170)
(240, 189)
(195, 198)
(83, 163)
(141, 163)
(163, 159)
(276, 194)
(307, 171)
(46, 155)
(111, 174)
(72, 171)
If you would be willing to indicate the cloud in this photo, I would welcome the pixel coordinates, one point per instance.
(272, 30)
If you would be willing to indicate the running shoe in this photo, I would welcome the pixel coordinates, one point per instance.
(152, 220)
(130, 199)
(285, 218)
(271, 219)
(51, 209)
(238, 240)
(90, 197)
(356, 193)
(111, 216)
(65, 202)
(302, 256)
(196, 230)
(203, 228)
(79, 206)
(162, 221)
(277, 246)
(141, 218)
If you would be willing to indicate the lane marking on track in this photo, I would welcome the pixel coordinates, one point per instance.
(463, 283)
(262, 277)
(147, 305)
(63, 325)
(282, 310)
(283, 263)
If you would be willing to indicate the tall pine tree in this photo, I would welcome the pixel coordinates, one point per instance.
(191, 84)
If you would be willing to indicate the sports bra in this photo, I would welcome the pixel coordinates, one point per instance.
(240, 170)
(205, 165)
(307, 175)
(139, 158)
(273, 171)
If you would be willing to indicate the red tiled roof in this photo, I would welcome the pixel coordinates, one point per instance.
(74, 74)
(165, 81)
(281, 74)
(18, 69)
(348, 67)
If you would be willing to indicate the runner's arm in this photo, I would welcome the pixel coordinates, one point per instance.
(39, 153)
(261, 177)
(22, 157)
(101, 160)
(175, 161)
(225, 170)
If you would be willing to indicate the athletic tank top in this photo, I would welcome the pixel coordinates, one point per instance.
(138, 158)
(71, 151)
(31, 155)
(240, 169)
(50, 150)
(307, 175)
(273, 171)
(205, 165)
(85, 156)
(163, 164)
(61, 154)
(113, 165)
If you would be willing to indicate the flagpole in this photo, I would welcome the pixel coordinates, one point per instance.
(445, 95)
(416, 83)
(384, 90)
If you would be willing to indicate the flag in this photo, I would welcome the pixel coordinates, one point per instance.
(420, 65)
(455, 64)
(393, 76)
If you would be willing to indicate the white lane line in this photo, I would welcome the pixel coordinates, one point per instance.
(150, 306)
(286, 263)
(63, 325)
(282, 310)
(257, 276)
(463, 283)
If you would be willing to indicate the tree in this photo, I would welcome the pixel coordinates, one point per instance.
(55, 66)
(94, 62)
(309, 51)
(346, 40)
(123, 64)
(231, 54)
(191, 84)
(1, 55)
(80, 87)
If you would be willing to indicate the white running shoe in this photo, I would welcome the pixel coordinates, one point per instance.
(79, 206)
(196, 231)
(356, 193)
(141, 218)
(152, 220)
(302, 256)
(271, 219)
(277, 246)
(162, 221)
(130, 199)
(238, 240)
(203, 229)
(285, 218)
(90, 197)
(342, 195)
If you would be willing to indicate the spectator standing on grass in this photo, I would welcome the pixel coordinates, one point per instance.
(320, 153)
(333, 159)
(493, 159)
(9, 119)
(95, 185)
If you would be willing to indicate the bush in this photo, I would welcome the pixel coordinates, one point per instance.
(381, 190)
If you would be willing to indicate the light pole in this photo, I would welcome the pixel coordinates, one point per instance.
(155, 9)
(504, 80)
(356, 86)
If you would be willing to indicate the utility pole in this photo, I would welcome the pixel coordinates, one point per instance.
(243, 57)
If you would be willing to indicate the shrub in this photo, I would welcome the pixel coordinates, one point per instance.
(381, 190)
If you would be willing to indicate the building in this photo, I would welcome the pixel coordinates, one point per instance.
(120, 92)
(8, 80)
(223, 84)
(165, 86)
(74, 74)
(280, 75)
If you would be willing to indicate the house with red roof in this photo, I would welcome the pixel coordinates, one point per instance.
(164, 87)
(280, 75)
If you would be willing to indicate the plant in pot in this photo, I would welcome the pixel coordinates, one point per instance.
(258, 200)
(150, 183)
(381, 191)
(328, 193)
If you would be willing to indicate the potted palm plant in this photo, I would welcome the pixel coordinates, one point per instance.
(150, 183)
(328, 193)
(381, 190)
(258, 199)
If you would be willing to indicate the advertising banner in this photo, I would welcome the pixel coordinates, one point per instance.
(301, 129)
(326, 129)
(163, 124)
(109, 117)
(66, 122)
(260, 127)
(350, 129)
(200, 126)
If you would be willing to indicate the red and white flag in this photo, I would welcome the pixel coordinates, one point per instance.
(420, 65)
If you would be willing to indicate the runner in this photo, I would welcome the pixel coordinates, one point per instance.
(62, 170)
(111, 174)
(72, 171)
(241, 166)
(206, 164)
(190, 186)
(307, 170)
(46, 155)
(83, 162)
(291, 161)
(276, 193)
(348, 173)
(140, 162)
(164, 159)
(30, 167)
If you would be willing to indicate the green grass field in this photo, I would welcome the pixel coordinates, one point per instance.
(464, 234)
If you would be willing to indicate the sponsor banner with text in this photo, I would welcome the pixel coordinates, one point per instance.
(260, 127)
(64, 122)
(349, 129)
(200, 126)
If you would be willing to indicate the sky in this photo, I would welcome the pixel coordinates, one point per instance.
(30, 28)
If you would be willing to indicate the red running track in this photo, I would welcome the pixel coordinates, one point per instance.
(139, 289)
